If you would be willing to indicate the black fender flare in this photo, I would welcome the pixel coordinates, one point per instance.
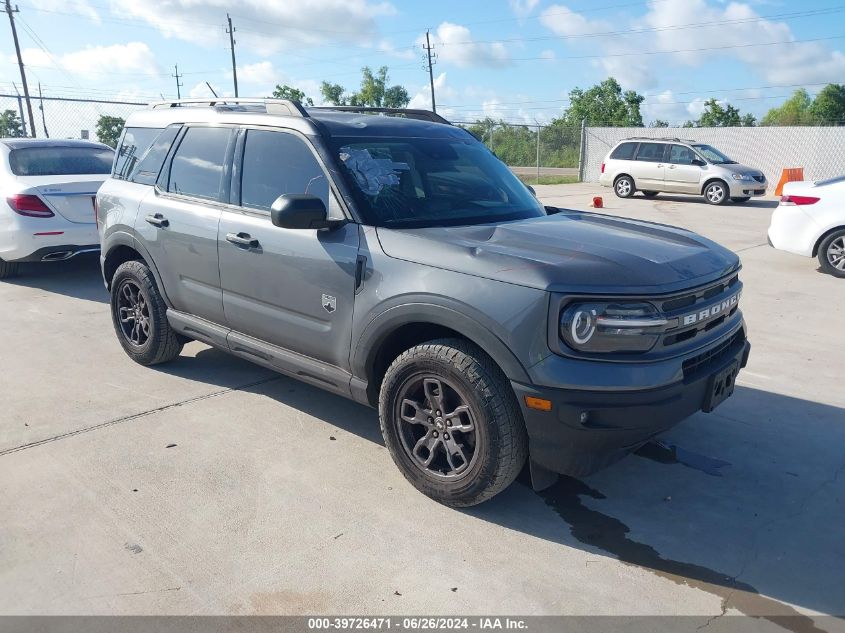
(122, 238)
(385, 323)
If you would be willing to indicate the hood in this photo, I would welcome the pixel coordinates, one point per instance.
(569, 252)
(740, 169)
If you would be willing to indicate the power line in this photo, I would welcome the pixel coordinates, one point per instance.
(672, 27)
(11, 12)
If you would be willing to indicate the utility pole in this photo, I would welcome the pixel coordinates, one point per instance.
(428, 48)
(179, 84)
(231, 32)
(11, 13)
(41, 107)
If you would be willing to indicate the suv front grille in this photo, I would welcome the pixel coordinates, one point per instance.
(711, 358)
(677, 306)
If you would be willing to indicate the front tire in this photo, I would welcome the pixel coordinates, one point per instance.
(832, 254)
(139, 316)
(452, 423)
(8, 269)
(624, 187)
(717, 193)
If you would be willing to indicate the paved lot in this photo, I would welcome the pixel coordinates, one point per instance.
(212, 486)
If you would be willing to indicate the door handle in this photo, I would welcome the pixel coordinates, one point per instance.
(158, 220)
(660, 165)
(242, 239)
(671, 167)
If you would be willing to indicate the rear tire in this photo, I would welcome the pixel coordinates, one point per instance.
(624, 187)
(8, 269)
(717, 193)
(650, 194)
(139, 316)
(832, 254)
(451, 422)
(741, 199)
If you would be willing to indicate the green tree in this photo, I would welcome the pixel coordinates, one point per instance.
(333, 94)
(374, 92)
(659, 123)
(717, 115)
(10, 124)
(108, 129)
(605, 105)
(797, 110)
(293, 94)
(829, 105)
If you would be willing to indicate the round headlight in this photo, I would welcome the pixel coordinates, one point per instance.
(583, 326)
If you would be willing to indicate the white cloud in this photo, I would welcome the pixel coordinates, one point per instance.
(735, 26)
(454, 44)
(82, 7)
(442, 92)
(99, 61)
(562, 20)
(264, 26)
(523, 8)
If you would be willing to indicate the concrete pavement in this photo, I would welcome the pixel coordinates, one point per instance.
(212, 486)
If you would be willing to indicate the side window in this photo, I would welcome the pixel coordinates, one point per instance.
(625, 151)
(681, 155)
(197, 166)
(150, 165)
(651, 152)
(276, 163)
(133, 147)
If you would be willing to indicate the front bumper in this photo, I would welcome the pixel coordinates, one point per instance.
(586, 431)
(747, 189)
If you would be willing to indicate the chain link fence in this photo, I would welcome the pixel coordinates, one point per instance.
(820, 151)
(545, 154)
(58, 117)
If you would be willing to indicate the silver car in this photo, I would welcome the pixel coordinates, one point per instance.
(671, 165)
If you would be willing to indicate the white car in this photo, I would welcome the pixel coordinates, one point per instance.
(810, 221)
(47, 193)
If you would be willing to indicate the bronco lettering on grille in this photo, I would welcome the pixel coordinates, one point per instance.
(711, 312)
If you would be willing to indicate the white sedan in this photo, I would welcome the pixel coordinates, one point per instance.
(47, 193)
(810, 221)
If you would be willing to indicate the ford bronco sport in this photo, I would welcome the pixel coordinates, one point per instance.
(389, 257)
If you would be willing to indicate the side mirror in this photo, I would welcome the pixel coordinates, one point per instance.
(532, 190)
(698, 162)
(301, 211)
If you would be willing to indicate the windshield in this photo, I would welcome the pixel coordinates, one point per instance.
(60, 161)
(714, 156)
(419, 182)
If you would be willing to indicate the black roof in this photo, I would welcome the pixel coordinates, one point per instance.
(340, 123)
(20, 143)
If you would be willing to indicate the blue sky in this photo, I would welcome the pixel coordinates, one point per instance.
(510, 59)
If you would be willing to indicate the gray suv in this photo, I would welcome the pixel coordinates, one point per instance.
(672, 165)
(389, 257)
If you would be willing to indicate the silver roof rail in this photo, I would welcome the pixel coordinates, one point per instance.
(660, 138)
(410, 113)
(283, 107)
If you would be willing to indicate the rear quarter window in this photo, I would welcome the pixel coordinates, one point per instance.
(625, 151)
(60, 161)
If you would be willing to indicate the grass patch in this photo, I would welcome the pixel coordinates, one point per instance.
(548, 180)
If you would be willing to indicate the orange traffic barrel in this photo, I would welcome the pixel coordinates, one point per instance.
(790, 174)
